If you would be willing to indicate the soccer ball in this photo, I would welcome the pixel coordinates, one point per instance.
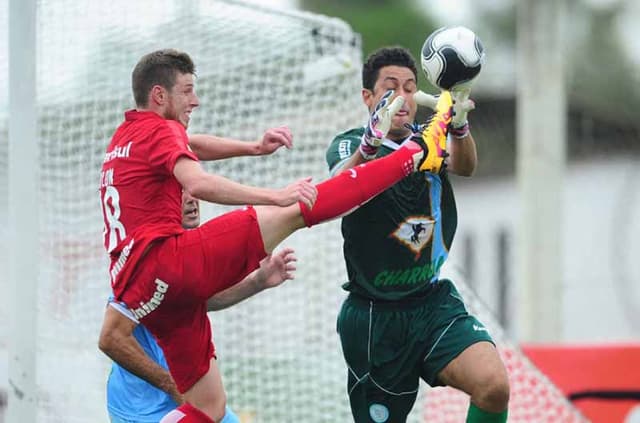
(451, 57)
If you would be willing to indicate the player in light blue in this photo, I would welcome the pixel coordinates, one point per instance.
(131, 399)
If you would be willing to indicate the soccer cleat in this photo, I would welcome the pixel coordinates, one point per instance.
(418, 153)
(434, 135)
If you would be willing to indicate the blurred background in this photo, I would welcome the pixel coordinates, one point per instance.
(574, 314)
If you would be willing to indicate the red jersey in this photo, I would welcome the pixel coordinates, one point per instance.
(140, 197)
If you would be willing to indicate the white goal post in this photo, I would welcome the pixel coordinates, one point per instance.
(257, 68)
(22, 212)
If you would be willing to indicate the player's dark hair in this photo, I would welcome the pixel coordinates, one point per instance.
(160, 67)
(386, 56)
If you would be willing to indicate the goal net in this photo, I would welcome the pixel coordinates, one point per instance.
(257, 68)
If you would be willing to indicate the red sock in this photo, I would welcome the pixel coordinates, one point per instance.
(353, 187)
(186, 413)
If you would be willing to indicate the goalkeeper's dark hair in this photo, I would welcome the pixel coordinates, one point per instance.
(160, 67)
(386, 56)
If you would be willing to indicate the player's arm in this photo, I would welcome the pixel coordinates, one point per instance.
(211, 147)
(367, 145)
(273, 271)
(344, 153)
(218, 189)
(119, 344)
(463, 156)
(375, 131)
(353, 161)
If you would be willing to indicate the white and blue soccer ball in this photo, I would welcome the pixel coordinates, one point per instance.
(452, 57)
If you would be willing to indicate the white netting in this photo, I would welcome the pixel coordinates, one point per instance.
(279, 351)
(533, 397)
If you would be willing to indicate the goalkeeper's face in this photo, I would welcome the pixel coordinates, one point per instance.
(182, 99)
(403, 82)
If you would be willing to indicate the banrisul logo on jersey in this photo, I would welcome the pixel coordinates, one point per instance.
(415, 233)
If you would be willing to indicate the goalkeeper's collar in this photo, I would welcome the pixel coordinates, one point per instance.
(394, 145)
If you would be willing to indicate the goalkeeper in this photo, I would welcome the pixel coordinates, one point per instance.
(133, 400)
(400, 322)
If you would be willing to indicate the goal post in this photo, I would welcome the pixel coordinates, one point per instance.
(257, 68)
(22, 212)
(541, 166)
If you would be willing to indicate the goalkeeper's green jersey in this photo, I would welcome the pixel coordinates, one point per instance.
(395, 245)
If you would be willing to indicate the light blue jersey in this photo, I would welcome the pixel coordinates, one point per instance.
(130, 397)
(132, 400)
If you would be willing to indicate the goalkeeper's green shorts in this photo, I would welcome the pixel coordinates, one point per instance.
(389, 346)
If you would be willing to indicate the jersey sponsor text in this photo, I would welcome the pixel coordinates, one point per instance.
(118, 265)
(118, 152)
(155, 301)
(410, 276)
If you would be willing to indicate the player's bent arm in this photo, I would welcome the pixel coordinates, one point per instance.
(218, 189)
(463, 157)
(244, 289)
(356, 159)
(211, 147)
(274, 270)
(119, 344)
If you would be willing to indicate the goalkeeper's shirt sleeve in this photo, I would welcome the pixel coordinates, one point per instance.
(342, 148)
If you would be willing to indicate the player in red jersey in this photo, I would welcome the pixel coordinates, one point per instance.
(163, 274)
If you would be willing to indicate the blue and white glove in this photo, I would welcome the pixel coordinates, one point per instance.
(379, 124)
(462, 105)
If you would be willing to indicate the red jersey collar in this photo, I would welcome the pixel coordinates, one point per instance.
(134, 114)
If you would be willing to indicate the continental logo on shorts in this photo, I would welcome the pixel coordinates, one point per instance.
(155, 301)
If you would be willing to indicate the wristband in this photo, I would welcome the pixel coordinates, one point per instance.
(368, 151)
(460, 132)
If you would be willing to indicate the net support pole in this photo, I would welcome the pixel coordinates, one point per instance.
(22, 212)
(541, 157)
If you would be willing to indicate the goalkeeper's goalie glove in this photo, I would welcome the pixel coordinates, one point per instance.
(462, 105)
(379, 124)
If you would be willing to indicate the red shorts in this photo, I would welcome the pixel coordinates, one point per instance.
(171, 284)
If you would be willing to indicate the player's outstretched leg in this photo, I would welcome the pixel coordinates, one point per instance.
(339, 195)
(353, 187)
(343, 193)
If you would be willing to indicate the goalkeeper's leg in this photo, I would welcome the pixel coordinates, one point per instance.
(339, 195)
(487, 385)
